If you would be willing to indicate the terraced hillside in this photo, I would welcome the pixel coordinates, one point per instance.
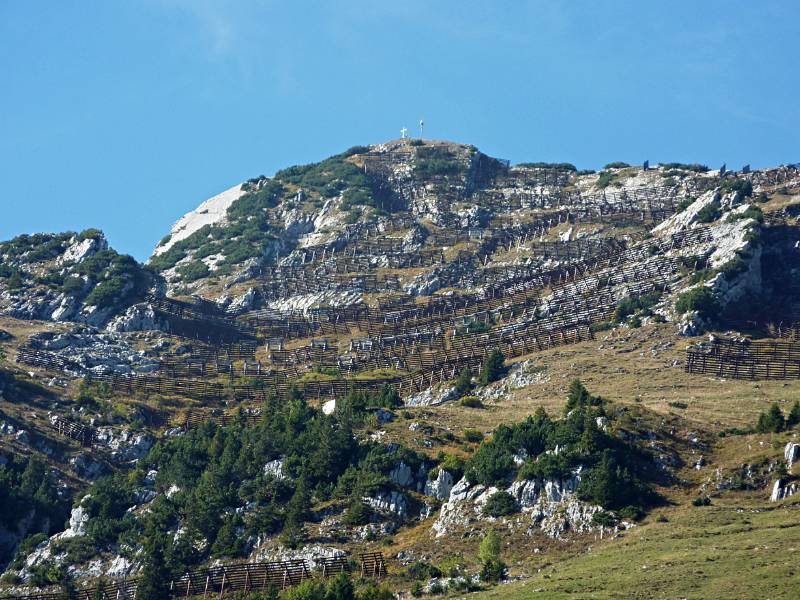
(374, 361)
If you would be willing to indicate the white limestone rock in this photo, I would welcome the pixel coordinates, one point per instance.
(691, 324)
(440, 487)
(551, 506)
(432, 397)
(783, 489)
(78, 251)
(791, 453)
(139, 317)
(275, 468)
(389, 502)
(210, 212)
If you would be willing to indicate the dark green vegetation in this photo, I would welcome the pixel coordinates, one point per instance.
(213, 470)
(248, 231)
(616, 470)
(743, 186)
(105, 278)
(242, 236)
(710, 212)
(632, 308)
(433, 161)
(552, 166)
(773, 421)
(493, 367)
(700, 299)
(28, 495)
(694, 167)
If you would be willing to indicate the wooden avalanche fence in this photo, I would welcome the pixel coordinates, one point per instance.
(227, 579)
(745, 359)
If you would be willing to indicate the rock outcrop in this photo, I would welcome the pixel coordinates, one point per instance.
(548, 506)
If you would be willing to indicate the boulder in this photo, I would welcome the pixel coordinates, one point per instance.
(552, 506)
(432, 397)
(389, 502)
(79, 251)
(139, 317)
(88, 468)
(691, 324)
(275, 468)
(791, 453)
(783, 489)
(440, 487)
(402, 475)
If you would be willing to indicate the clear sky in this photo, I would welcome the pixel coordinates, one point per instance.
(125, 114)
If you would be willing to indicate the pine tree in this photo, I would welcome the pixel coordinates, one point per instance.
(155, 577)
(340, 588)
(577, 396)
(794, 416)
(772, 421)
(591, 438)
(464, 381)
(493, 367)
(489, 554)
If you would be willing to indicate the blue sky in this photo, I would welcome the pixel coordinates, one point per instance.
(123, 115)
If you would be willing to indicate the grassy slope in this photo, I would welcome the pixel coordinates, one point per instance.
(733, 549)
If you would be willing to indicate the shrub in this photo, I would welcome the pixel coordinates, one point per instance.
(500, 504)
(696, 168)
(473, 436)
(464, 381)
(471, 402)
(357, 513)
(604, 180)
(743, 186)
(752, 212)
(89, 233)
(420, 570)
(710, 212)
(631, 305)
(677, 404)
(493, 567)
(701, 501)
(604, 519)
(794, 416)
(771, 421)
(700, 299)
(617, 165)
(493, 367)
(552, 166)
(193, 271)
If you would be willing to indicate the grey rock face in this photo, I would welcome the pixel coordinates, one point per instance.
(781, 489)
(550, 505)
(389, 502)
(88, 468)
(791, 453)
(139, 317)
(274, 468)
(691, 325)
(125, 445)
(440, 487)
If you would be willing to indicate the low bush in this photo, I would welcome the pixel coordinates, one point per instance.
(473, 436)
(471, 402)
(710, 212)
(500, 504)
(700, 299)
